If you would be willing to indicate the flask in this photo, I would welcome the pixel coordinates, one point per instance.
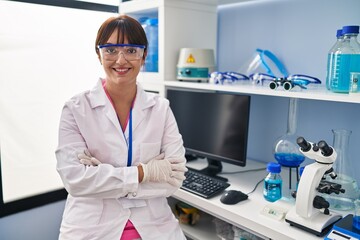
(286, 151)
(273, 182)
(347, 59)
(331, 57)
(345, 173)
(151, 29)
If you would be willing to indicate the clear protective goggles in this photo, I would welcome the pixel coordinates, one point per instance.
(227, 77)
(287, 83)
(130, 52)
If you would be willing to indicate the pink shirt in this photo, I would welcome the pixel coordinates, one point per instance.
(129, 232)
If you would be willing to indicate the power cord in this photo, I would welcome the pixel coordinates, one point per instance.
(257, 184)
(245, 171)
(250, 170)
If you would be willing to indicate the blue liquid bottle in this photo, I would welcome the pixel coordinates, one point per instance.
(273, 183)
(331, 57)
(346, 60)
(152, 32)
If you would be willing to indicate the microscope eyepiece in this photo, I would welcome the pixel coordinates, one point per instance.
(305, 145)
(326, 150)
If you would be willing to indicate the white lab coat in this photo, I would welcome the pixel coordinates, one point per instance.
(101, 199)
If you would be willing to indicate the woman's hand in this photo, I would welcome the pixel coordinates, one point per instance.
(160, 169)
(86, 159)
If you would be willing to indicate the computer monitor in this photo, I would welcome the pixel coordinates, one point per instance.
(214, 125)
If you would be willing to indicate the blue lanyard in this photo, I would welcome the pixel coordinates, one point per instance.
(130, 140)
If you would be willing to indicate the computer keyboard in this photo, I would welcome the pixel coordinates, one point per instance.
(203, 185)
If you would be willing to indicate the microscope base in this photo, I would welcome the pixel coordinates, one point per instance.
(318, 224)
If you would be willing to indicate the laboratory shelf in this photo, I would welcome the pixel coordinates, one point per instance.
(312, 93)
(175, 34)
(205, 228)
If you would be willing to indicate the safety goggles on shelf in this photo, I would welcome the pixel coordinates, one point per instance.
(287, 83)
(130, 52)
(227, 77)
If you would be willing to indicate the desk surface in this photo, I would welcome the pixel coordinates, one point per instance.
(247, 214)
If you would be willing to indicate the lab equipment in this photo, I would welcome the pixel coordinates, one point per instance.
(311, 211)
(345, 173)
(344, 230)
(203, 185)
(331, 57)
(195, 64)
(286, 83)
(152, 33)
(347, 60)
(286, 150)
(273, 183)
(292, 81)
(354, 82)
(111, 52)
(227, 77)
(214, 125)
(264, 61)
(232, 197)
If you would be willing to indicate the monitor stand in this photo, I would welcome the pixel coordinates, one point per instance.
(214, 167)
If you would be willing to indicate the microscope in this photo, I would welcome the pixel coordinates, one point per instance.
(311, 211)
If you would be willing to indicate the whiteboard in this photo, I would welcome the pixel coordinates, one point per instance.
(47, 55)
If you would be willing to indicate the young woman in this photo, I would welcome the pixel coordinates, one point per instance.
(120, 153)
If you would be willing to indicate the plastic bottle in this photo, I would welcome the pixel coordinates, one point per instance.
(346, 59)
(152, 59)
(331, 57)
(273, 182)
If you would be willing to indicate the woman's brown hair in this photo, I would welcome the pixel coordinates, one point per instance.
(127, 29)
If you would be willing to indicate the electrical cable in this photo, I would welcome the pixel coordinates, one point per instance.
(257, 184)
(245, 171)
(251, 170)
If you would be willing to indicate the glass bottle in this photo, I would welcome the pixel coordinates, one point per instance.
(347, 60)
(152, 32)
(345, 173)
(331, 57)
(273, 183)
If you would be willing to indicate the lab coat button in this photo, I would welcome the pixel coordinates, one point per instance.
(134, 194)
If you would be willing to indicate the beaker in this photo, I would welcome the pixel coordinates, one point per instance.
(286, 150)
(345, 173)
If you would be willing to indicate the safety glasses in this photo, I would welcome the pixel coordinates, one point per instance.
(227, 77)
(131, 52)
(287, 83)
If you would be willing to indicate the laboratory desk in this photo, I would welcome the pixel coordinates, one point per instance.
(247, 215)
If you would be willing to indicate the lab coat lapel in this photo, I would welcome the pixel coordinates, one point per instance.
(142, 103)
(98, 98)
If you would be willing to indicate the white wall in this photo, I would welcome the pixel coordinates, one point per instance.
(47, 54)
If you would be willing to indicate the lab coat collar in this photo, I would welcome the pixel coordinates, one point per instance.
(143, 101)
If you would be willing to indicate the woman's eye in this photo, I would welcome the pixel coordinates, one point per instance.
(131, 50)
(111, 50)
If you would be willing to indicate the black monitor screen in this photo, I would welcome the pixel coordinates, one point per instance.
(213, 124)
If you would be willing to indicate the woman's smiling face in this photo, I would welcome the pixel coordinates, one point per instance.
(121, 70)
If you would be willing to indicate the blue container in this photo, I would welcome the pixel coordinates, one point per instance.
(152, 34)
(346, 60)
(273, 183)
